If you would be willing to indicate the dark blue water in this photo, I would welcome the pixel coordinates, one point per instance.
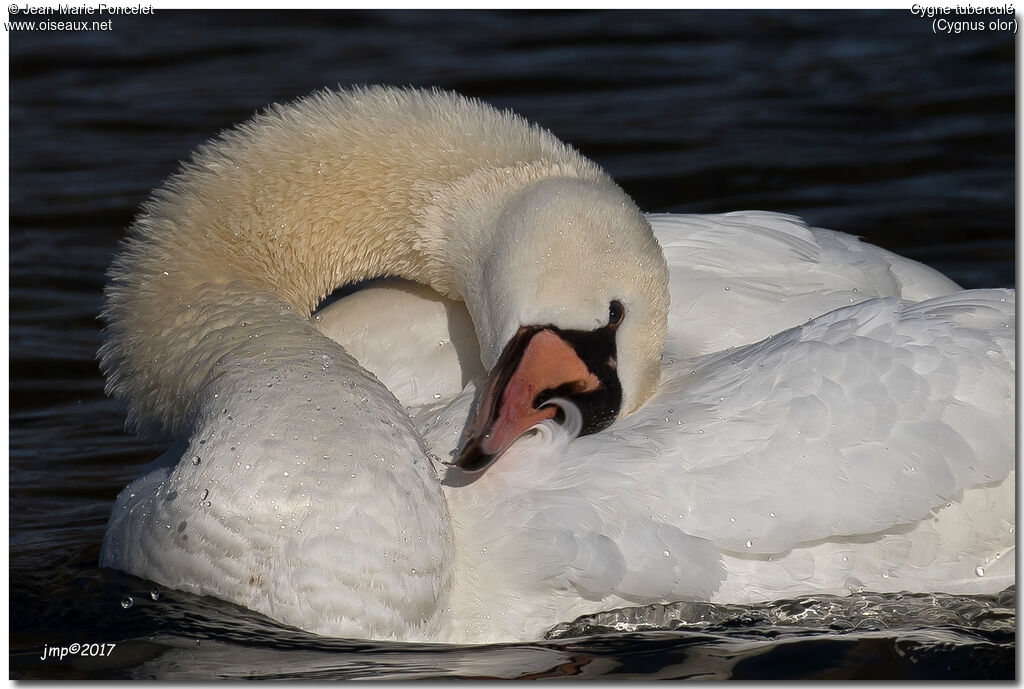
(860, 121)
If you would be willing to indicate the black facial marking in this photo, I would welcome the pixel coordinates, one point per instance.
(596, 348)
(598, 408)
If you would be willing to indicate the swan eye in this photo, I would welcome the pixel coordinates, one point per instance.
(616, 312)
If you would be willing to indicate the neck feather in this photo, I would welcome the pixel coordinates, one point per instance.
(232, 253)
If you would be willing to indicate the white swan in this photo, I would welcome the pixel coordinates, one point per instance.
(872, 446)
(828, 421)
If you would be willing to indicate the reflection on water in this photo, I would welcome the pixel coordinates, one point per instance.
(817, 637)
(864, 122)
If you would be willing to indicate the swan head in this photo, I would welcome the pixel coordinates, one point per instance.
(573, 304)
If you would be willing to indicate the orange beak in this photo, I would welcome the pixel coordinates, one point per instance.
(536, 360)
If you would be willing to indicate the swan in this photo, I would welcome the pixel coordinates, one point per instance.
(752, 488)
(805, 413)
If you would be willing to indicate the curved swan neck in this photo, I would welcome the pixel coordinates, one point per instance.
(230, 255)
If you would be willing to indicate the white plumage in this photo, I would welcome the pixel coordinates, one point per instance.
(869, 448)
(830, 416)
